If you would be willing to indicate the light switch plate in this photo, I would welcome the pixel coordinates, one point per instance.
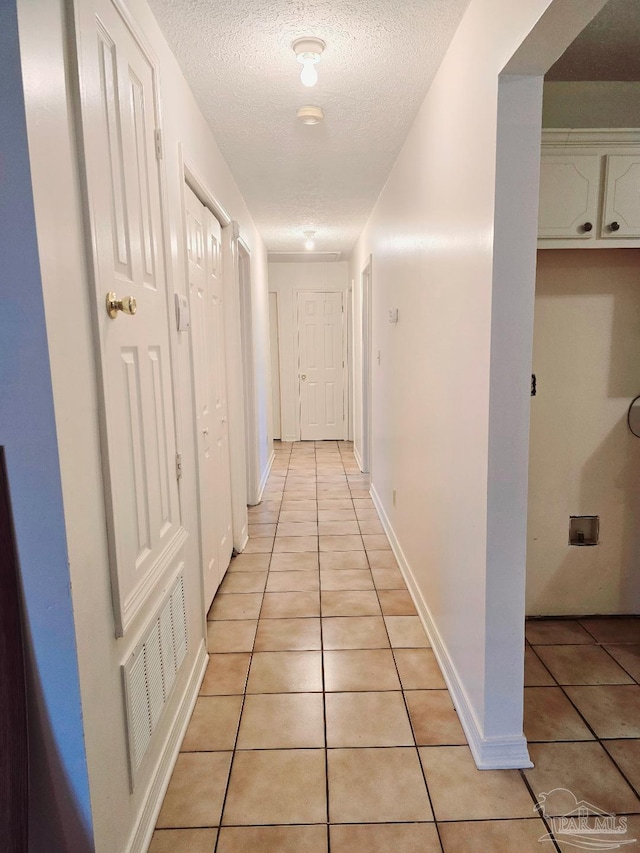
(183, 314)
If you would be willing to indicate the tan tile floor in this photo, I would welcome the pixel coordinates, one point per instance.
(323, 722)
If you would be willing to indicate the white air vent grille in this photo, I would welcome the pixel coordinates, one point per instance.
(150, 672)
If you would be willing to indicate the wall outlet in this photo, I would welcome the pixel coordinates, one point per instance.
(394, 497)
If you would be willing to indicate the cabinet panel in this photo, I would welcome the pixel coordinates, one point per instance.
(621, 211)
(569, 189)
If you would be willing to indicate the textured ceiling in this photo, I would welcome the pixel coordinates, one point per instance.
(607, 49)
(380, 58)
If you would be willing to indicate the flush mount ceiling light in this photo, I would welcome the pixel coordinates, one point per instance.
(309, 242)
(310, 115)
(308, 51)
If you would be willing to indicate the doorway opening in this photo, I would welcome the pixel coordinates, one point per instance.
(586, 354)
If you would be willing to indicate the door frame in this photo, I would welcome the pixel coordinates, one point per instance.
(367, 389)
(245, 296)
(345, 356)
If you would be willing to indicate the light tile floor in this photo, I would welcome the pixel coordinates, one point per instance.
(323, 722)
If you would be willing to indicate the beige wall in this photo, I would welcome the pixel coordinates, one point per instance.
(592, 104)
(584, 460)
(44, 29)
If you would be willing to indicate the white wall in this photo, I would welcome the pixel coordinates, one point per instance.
(584, 460)
(285, 279)
(59, 807)
(591, 104)
(57, 197)
(449, 412)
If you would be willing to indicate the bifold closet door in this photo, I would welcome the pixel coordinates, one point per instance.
(208, 347)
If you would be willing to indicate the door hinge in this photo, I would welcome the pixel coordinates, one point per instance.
(158, 140)
(534, 385)
(178, 466)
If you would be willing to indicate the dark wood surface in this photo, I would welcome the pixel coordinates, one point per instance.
(13, 707)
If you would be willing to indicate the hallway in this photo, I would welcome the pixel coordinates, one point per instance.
(325, 702)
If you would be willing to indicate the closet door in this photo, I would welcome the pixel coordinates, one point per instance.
(120, 123)
(215, 296)
(210, 397)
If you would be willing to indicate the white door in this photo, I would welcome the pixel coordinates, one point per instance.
(224, 526)
(203, 391)
(205, 285)
(120, 120)
(274, 341)
(320, 365)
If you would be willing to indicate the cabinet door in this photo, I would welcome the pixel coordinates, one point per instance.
(569, 187)
(621, 212)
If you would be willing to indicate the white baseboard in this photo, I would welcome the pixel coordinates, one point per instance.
(489, 753)
(144, 830)
(358, 458)
(265, 476)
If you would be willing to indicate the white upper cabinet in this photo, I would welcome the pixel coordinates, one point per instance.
(621, 211)
(589, 189)
(569, 195)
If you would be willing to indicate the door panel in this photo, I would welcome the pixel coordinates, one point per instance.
(207, 329)
(203, 387)
(321, 371)
(221, 425)
(119, 118)
(569, 188)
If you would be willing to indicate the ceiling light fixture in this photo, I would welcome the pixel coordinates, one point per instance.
(308, 51)
(309, 243)
(310, 115)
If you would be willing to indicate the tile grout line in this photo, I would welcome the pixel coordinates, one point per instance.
(541, 816)
(324, 685)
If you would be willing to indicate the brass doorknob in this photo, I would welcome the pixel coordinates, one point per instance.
(127, 305)
(303, 376)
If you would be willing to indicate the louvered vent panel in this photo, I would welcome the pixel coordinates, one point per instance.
(150, 672)
(140, 722)
(179, 622)
(153, 667)
(167, 649)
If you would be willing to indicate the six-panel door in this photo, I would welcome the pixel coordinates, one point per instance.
(320, 365)
(120, 120)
